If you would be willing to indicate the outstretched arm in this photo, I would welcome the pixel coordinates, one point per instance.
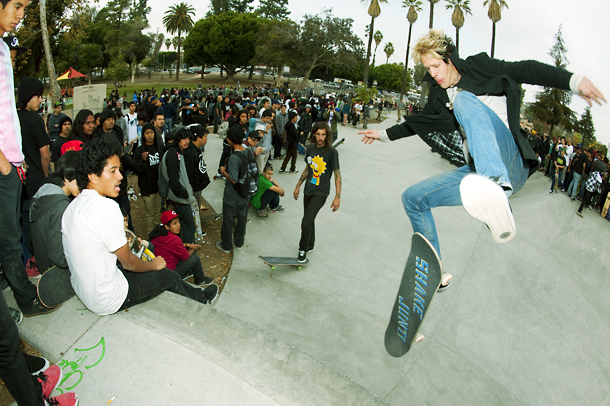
(369, 136)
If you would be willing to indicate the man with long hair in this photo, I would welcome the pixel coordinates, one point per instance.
(321, 162)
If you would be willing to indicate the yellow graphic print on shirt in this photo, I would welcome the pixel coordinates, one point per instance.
(319, 167)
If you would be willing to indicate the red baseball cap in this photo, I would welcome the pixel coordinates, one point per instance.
(74, 145)
(168, 216)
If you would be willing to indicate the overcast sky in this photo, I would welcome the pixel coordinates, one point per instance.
(525, 31)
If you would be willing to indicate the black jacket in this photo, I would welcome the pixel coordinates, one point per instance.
(48, 206)
(480, 75)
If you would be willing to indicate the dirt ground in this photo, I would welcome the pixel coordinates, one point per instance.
(216, 264)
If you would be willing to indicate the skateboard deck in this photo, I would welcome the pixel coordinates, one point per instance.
(420, 281)
(341, 141)
(274, 262)
(54, 287)
(606, 206)
(138, 249)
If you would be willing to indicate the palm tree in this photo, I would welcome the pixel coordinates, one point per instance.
(178, 19)
(389, 50)
(374, 11)
(432, 3)
(378, 37)
(495, 14)
(457, 18)
(414, 6)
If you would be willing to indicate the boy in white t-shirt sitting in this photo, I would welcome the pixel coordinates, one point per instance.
(94, 238)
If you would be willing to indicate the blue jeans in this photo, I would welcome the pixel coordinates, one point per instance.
(168, 125)
(270, 198)
(495, 155)
(573, 185)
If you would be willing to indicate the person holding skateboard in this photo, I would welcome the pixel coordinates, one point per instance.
(321, 162)
(480, 97)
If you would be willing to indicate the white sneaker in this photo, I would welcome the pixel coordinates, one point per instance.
(486, 201)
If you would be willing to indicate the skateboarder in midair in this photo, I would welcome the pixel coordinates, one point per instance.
(321, 162)
(478, 97)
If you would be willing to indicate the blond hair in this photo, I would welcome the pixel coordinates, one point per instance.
(436, 44)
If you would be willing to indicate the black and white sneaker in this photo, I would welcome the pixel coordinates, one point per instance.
(486, 201)
(302, 256)
(211, 294)
(206, 281)
(36, 364)
(16, 314)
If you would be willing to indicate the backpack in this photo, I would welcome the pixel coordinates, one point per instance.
(247, 184)
(224, 127)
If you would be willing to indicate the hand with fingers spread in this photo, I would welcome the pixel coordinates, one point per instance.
(369, 136)
(589, 92)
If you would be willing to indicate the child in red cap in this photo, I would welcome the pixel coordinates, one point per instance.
(178, 256)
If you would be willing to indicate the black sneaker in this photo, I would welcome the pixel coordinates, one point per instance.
(310, 249)
(206, 281)
(302, 256)
(4, 286)
(36, 309)
(579, 213)
(16, 315)
(282, 171)
(211, 294)
(36, 364)
(187, 275)
(219, 245)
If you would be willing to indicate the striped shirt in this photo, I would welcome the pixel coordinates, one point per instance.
(10, 131)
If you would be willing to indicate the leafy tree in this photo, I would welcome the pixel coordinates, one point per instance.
(389, 50)
(585, 127)
(139, 8)
(457, 18)
(418, 74)
(179, 19)
(374, 11)
(494, 14)
(168, 43)
(167, 58)
(414, 6)
(227, 40)
(118, 70)
(551, 105)
(327, 41)
(135, 45)
(156, 41)
(273, 9)
(377, 37)
(275, 43)
(388, 76)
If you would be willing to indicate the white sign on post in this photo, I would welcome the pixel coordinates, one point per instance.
(90, 97)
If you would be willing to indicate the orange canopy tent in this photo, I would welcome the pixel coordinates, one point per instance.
(70, 74)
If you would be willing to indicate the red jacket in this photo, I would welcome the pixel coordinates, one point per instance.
(170, 247)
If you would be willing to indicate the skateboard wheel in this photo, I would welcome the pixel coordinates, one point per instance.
(419, 337)
(273, 268)
(299, 268)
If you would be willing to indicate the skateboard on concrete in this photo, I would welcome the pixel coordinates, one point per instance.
(420, 281)
(54, 287)
(606, 206)
(274, 262)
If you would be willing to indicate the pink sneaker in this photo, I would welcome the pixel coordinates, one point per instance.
(65, 399)
(49, 380)
(32, 268)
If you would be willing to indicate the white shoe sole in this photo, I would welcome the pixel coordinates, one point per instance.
(485, 200)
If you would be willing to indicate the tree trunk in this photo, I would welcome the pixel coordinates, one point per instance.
(365, 76)
(406, 72)
(431, 15)
(493, 38)
(457, 39)
(55, 89)
(178, 59)
(251, 72)
(133, 72)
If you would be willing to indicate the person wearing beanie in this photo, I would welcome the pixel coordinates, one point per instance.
(332, 118)
(35, 145)
(147, 157)
(65, 126)
(180, 257)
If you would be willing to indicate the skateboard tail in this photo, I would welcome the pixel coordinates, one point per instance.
(418, 286)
